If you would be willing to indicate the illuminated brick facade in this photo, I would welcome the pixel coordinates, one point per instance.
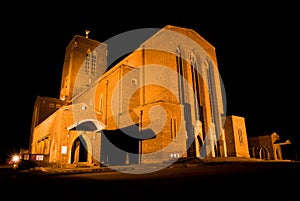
(160, 102)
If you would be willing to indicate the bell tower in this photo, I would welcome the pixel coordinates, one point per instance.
(85, 61)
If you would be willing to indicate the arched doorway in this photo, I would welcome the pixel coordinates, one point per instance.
(86, 147)
(264, 153)
(79, 153)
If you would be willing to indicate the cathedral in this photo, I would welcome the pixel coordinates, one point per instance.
(158, 101)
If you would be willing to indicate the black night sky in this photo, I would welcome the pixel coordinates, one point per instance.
(256, 47)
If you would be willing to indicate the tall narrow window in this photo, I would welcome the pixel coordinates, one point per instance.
(87, 62)
(179, 62)
(209, 78)
(101, 103)
(179, 67)
(196, 86)
(240, 135)
(173, 128)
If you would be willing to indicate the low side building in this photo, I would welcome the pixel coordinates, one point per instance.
(267, 147)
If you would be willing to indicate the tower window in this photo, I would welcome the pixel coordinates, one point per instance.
(240, 135)
(87, 64)
(93, 63)
(90, 62)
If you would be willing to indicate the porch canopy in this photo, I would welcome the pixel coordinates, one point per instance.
(87, 125)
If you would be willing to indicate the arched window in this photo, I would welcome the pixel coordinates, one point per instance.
(209, 83)
(93, 63)
(90, 62)
(87, 61)
(240, 136)
(179, 68)
(196, 85)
